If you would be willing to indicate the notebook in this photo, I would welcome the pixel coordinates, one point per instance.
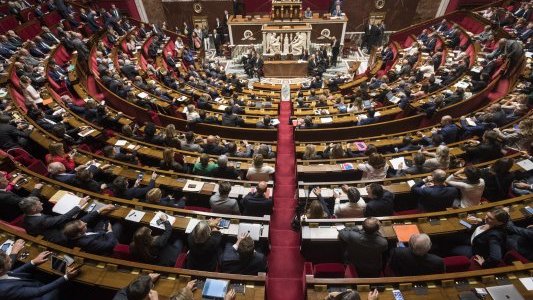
(404, 232)
(215, 289)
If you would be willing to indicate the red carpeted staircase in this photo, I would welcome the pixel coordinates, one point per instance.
(285, 264)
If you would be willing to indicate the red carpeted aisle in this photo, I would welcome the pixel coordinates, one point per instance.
(285, 264)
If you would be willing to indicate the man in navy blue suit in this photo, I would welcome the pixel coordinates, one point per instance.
(19, 284)
(433, 194)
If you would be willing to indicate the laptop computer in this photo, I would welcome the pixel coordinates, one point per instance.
(504, 292)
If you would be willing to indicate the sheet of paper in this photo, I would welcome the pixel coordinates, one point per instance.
(135, 215)
(236, 191)
(142, 95)
(67, 202)
(157, 216)
(526, 164)
(326, 120)
(191, 225)
(362, 192)
(470, 122)
(411, 183)
(527, 282)
(254, 230)
(395, 162)
(121, 143)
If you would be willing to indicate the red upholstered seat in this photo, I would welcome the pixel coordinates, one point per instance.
(407, 212)
(38, 167)
(329, 270)
(513, 255)
(19, 229)
(122, 251)
(456, 264)
(198, 208)
(18, 221)
(181, 260)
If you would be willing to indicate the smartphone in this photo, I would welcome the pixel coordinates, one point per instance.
(60, 264)
(91, 207)
(465, 224)
(21, 182)
(140, 176)
(238, 165)
(397, 295)
(6, 246)
(223, 223)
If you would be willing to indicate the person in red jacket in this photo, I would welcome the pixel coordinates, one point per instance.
(57, 154)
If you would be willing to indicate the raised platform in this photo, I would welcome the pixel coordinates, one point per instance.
(285, 69)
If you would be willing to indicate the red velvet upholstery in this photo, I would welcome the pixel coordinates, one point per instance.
(513, 255)
(38, 167)
(122, 251)
(456, 264)
(19, 229)
(181, 261)
(18, 221)
(329, 270)
(407, 212)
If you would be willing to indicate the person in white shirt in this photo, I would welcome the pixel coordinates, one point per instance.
(355, 206)
(31, 96)
(468, 180)
(375, 169)
(192, 114)
(259, 171)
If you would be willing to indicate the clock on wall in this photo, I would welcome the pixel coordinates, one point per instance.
(379, 4)
(197, 7)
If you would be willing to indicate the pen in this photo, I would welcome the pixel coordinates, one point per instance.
(132, 214)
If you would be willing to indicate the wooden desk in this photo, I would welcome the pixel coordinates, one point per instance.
(113, 273)
(285, 69)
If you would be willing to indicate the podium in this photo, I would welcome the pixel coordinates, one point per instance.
(286, 10)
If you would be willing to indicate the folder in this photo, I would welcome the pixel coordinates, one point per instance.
(404, 232)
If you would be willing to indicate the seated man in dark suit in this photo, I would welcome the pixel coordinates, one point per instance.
(415, 259)
(10, 201)
(381, 202)
(241, 258)
(364, 248)
(520, 239)
(101, 241)
(19, 284)
(433, 194)
(257, 203)
(50, 227)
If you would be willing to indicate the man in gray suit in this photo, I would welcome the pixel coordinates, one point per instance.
(364, 248)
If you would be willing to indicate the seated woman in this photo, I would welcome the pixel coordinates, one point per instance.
(336, 151)
(204, 243)
(440, 159)
(161, 250)
(486, 239)
(310, 152)
(57, 154)
(168, 162)
(317, 210)
(489, 148)
(375, 169)
(498, 179)
(155, 196)
(469, 182)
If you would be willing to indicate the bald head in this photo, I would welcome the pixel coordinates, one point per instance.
(445, 120)
(439, 176)
(261, 187)
(371, 225)
(420, 244)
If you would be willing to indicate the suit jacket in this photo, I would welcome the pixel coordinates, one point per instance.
(10, 204)
(26, 287)
(380, 207)
(364, 251)
(230, 262)
(49, 226)
(490, 244)
(405, 263)
(255, 205)
(521, 240)
(203, 257)
(434, 198)
(100, 243)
